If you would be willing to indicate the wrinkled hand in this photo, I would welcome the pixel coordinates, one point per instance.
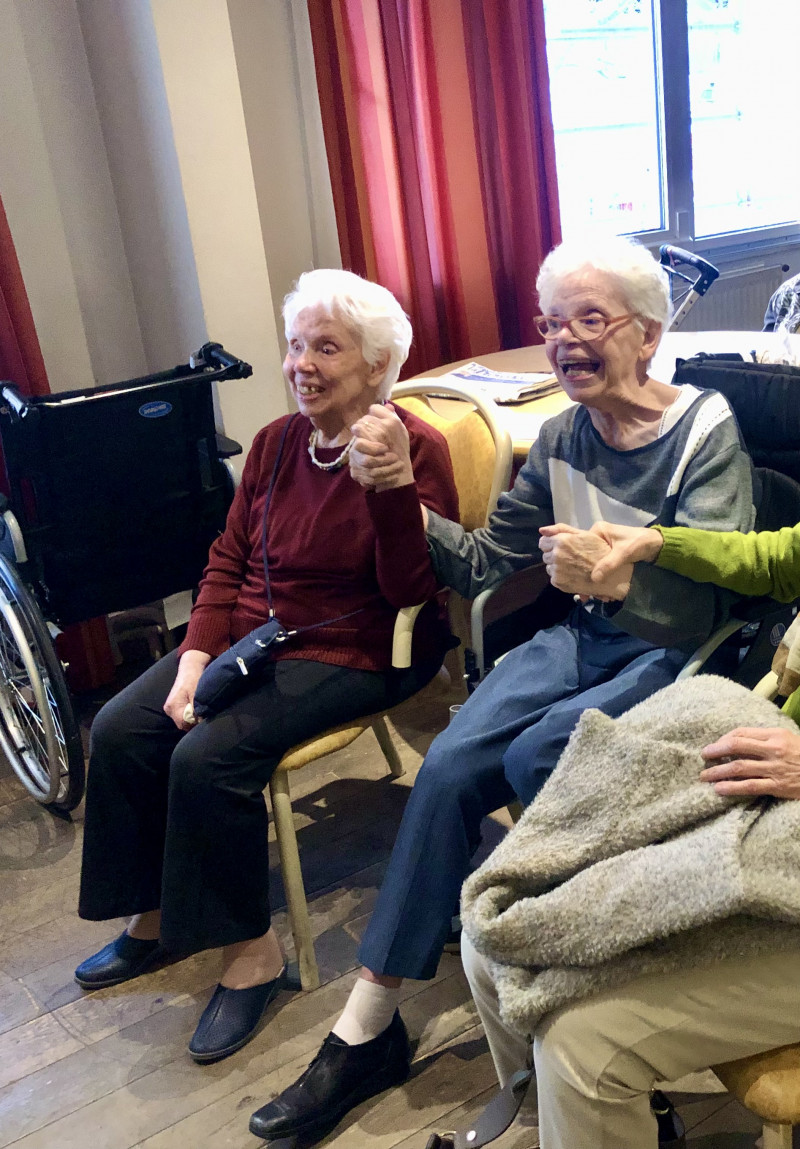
(757, 761)
(380, 457)
(627, 545)
(570, 555)
(191, 665)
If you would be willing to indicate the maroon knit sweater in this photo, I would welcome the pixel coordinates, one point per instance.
(332, 548)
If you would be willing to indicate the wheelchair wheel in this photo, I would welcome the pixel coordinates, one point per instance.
(38, 731)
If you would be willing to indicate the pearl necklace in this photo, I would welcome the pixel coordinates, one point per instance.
(334, 465)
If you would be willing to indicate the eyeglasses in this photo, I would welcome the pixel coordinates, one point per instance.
(587, 327)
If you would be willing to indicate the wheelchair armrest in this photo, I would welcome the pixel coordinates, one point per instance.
(755, 609)
(227, 448)
(518, 590)
(704, 652)
(510, 613)
(742, 614)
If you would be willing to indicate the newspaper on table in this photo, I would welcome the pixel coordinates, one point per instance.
(501, 386)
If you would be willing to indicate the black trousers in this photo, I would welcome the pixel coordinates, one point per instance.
(177, 821)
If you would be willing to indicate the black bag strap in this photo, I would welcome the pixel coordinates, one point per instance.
(267, 501)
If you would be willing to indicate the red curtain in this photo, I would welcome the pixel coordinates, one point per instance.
(20, 356)
(437, 124)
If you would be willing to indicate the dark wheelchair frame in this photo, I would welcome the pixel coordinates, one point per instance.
(116, 494)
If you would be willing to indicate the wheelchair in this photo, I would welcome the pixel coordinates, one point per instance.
(116, 494)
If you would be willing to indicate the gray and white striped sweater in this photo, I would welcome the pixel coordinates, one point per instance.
(697, 473)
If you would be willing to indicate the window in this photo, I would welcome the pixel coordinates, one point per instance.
(674, 119)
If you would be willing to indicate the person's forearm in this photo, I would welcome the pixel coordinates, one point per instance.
(765, 563)
(402, 561)
(197, 658)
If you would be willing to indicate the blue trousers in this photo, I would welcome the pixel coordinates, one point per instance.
(502, 745)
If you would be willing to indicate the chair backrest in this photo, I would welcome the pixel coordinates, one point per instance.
(765, 398)
(480, 448)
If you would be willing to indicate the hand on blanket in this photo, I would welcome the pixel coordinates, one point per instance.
(756, 761)
(570, 556)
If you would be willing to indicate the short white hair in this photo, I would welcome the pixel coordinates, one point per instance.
(369, 312)
(642, 281)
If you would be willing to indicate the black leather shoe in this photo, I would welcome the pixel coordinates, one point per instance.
(231, 1018)
(340, 1077)
(119, 961)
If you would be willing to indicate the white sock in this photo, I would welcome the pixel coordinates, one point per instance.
(370, 1008)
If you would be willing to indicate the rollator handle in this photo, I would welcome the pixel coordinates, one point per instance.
(670, 255)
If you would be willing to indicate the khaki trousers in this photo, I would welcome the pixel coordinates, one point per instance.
(597, 1060)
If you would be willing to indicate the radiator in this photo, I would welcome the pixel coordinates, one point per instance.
(736, 301)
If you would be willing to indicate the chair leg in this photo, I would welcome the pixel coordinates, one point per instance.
(293, 879)
(388, 747)
(776, 1136)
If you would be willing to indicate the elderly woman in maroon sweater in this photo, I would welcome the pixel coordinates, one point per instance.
(176, 827)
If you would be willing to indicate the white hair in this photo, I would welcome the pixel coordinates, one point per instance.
(369, 312)
(642, 281)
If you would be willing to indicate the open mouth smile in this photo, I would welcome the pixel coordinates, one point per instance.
(579, 368)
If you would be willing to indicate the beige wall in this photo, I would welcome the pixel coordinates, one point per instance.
(162, 166)
(275, 65)
(31, 196)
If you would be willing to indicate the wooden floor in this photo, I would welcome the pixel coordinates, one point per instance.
(109, 1070)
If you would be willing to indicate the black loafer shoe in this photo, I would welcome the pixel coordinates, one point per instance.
(119, 961)
(340, 1077)
(231, 1018)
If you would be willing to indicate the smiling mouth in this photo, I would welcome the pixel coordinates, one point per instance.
(579, 368)
(308, 390)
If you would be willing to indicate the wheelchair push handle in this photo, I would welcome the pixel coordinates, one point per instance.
(17, 403)
(704, 273)
(671, 256)
(214, 355)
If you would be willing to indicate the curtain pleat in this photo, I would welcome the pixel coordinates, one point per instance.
(437, 124)
(20, 355)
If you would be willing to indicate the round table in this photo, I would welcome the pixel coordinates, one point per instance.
(523, 420)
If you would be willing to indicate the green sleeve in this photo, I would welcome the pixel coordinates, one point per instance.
(763, 563)
(792, 706)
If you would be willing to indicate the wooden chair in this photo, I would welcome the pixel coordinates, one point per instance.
(481, 453)
(769, 1085)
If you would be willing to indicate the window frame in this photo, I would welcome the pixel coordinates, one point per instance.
(671, 34)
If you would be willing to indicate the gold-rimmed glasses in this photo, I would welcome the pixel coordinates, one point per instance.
(585, 327)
